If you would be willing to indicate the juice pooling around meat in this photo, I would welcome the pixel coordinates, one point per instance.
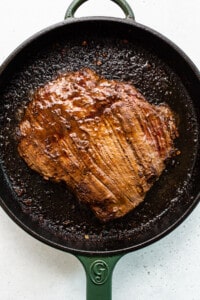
(99, 136)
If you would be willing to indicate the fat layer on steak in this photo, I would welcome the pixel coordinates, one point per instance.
(99, 136)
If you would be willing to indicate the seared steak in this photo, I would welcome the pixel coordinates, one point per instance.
(99, 136)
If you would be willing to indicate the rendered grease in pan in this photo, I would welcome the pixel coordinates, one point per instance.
(52, 205)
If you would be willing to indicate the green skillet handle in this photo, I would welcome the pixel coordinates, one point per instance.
(121, 3)
(99, 276)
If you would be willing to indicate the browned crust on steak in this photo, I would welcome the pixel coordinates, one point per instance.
(99, 136)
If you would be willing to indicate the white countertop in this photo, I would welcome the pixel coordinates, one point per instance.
(168, 269)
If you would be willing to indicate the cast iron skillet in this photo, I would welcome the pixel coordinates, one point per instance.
(119, 49)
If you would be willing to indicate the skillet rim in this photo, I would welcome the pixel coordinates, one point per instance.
(187, 61)
(127, 21)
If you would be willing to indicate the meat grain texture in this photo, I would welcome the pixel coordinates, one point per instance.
(99, 136)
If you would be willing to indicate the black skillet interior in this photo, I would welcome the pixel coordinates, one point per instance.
(119, 50)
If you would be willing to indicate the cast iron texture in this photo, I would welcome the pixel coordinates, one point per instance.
(115, 49)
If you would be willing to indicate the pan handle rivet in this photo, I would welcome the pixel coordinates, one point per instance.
(99, 272)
